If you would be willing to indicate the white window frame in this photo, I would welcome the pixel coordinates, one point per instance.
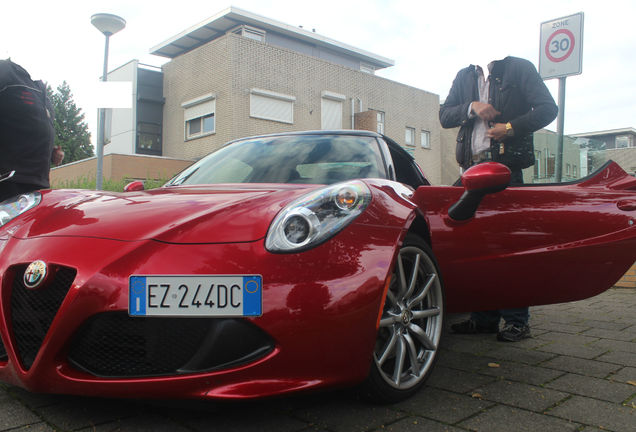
(282, 102)
(380, 118)
(425, 139)
(199, 108)
(409, 135)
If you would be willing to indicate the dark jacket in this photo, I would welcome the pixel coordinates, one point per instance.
(518, 93)
(26, 126)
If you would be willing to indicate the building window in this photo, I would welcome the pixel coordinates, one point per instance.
(537, 164)
(575, 173)
(568, 169)
(425, 139)
(272, 106)
(200, 126)
(623, 141)
(550, 164)
(409, 136)
(148, 139)
(380, 121)
(250, 32)
(199, 116)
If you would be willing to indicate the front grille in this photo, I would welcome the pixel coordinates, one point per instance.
(112, 344)
(33, 310)
(3, 352)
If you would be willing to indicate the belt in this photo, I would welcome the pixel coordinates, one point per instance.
(482, 157)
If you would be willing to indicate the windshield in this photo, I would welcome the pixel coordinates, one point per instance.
(319, 159)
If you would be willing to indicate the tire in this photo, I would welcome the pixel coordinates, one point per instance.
(410, 327)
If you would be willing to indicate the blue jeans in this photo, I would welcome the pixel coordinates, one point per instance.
(517, 316)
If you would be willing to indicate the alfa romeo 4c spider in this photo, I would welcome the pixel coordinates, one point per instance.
(289, 262)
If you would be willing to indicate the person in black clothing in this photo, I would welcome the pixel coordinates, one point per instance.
(26, 132)
(497, 111)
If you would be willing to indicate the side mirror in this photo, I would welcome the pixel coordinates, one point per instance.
(137, 185)
(479, 181)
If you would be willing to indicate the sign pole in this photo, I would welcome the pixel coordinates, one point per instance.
(560, 121)
(561, 55)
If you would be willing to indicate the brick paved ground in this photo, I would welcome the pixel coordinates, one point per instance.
(578, 373)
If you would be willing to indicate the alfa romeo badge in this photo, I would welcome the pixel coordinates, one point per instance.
(34, 274)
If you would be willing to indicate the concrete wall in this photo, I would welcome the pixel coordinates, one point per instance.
(232, 65)
(118, 167)
(122, 126)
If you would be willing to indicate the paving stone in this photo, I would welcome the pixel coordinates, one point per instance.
(442, 406)
(506, 419)
(81, 413)
(592, 412)
(605, 325)
(519, 355)
(624, 375)
(580, 366)
(568, 338)
(38, 427)
(619, 357)
(560, 327)
(593, 387)
(4, 395)
(354, 416)
(13, 414)
(145, 423)
(38, 400)
(534, 375)
(573, 350)
(521, 395)
(479, 344)
(462, 361)
(417, 424)
(614, 345)
(611, 334)
(456, 380)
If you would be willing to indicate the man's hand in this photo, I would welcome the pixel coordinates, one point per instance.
(484, 111)
(497, 132)
(57, 156)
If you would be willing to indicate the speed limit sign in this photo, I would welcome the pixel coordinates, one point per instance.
(561, 47)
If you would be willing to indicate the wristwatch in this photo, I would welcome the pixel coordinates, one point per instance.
(509, 130)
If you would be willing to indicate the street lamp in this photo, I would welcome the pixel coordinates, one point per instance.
(108, 24)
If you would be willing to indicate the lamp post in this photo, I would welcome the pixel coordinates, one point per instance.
(108, 24)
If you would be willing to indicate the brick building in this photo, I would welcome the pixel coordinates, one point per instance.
(239, 74)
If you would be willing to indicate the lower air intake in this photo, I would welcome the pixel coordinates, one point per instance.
(112, 344)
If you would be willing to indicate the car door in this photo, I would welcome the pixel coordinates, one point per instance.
(534, 244)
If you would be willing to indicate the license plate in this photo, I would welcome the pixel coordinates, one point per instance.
(194, 295)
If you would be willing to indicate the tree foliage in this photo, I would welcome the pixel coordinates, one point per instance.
(71, 130)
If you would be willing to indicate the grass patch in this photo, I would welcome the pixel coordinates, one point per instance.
(107, 184)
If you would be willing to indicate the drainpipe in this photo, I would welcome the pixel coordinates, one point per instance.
(353, 124)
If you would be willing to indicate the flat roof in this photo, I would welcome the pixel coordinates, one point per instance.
(606, 132)
(221, 23)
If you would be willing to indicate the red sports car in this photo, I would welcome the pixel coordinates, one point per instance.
(288, 262)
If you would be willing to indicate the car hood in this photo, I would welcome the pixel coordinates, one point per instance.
(199, 214)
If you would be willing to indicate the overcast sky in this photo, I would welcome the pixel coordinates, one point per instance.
(428, 40)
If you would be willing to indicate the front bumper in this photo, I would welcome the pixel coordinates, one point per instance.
(318, 327)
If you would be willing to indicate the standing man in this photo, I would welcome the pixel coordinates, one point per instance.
(497, 111)
(26, 132)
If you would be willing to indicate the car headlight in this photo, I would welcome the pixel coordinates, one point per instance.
(316, 217)
(13, 207)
